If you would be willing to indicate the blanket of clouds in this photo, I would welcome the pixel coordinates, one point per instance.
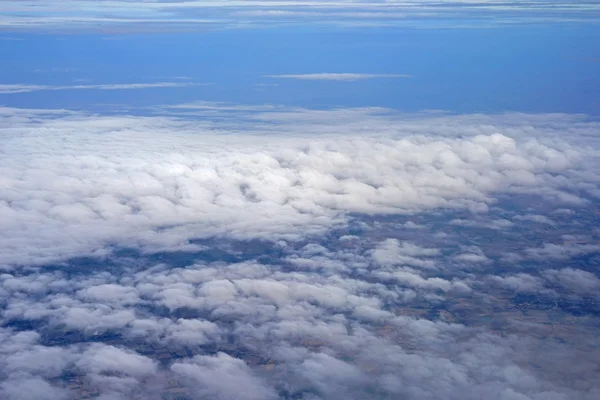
(219, 251)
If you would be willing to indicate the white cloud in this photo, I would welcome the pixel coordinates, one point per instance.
(552, 251)
(84, 176)
(152, 15)
(391, 252)
(208, 262)
(99, 359)
(345, 77)
(193, 332)
(576, 280)
(27, 88)
(223, 377)
(540, 219)
(31, 388)
(520, 283)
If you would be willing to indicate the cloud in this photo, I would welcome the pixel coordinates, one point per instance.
(104, 171)
(391, 252)
(203, 14)
(31, 388)
(576, 280)
(307, 257)
(520, 283)
(552, 251)
(98, 359)
(344, 77)
(541, 219)
(26, 88)
(223, 377)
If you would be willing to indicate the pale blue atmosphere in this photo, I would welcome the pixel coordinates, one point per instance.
(299, 200)
(548, 68)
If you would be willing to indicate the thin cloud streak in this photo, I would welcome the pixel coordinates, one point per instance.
(59, 15)
(345, 76)
(26, 88)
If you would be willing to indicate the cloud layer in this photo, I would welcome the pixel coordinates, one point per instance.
(202, 14)
(221, 251)
(85, 176)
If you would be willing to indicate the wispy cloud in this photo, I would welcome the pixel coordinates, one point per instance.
(345, 76)
(174, 14)
(27, 88)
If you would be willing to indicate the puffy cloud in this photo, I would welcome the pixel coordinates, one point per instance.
(520, 283)
(31, 388)
(576, 280)
(109, 293)
(106, 359)
(332, 378)
(541, 219)
(103, 185)
(391, 252)
(223, 377)
(153, 257)
(193, 332)
(117, 373)
(551, 251)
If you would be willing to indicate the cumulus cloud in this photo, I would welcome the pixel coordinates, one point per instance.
(100, 359)
(32, 388)
(552, 251)
(307, 258)
(576, 280)
(391, 252)
(520, 283)
(540, 219)
(99, 172)
(223, 377)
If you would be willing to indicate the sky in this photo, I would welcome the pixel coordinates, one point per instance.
(305, 200)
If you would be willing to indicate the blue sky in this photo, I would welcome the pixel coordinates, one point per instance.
(460, 57)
